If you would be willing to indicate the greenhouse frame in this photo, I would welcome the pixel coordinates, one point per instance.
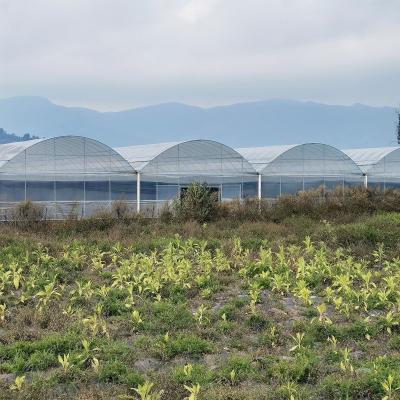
(74, 175)
(69, 175)
(290, 169)
(380, 166)
(165, 170)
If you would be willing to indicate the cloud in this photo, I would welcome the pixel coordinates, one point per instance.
(194, 10)
(112, 54)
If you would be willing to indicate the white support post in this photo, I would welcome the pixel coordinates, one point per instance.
(259, 187)
(138, 192)
(366, 181)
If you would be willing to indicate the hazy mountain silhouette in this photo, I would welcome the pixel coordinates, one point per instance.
(246, 124)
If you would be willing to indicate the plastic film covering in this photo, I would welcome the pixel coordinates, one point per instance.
(381, 161)
(168, 168)
(139, 156)
(67, 175)
(381, 165)
(294, 168)
(305, 160)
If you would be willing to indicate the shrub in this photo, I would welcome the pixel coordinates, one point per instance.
(197, 203)
(121, 210)
(27, 212)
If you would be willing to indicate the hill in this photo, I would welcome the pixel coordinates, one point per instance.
(246, 124)
(6, 137)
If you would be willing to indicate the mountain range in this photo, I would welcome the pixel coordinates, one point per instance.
(260, 123)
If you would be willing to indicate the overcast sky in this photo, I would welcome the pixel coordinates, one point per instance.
(115, 54)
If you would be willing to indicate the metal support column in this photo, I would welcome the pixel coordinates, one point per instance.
(259, 187)
(138, 192)
(366, 181)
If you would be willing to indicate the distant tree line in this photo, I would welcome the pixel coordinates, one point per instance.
(6, 137)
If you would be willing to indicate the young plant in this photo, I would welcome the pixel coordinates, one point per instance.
(3, 308)
(232, 377)
(65, 362)
(46, 294)
(388, 388)
(308, 245)
(187, 370)
(254, 298)
(323, 318)
(200, 315)
(333, 341)
(136, 319)
(379, 254)
(345, 363)
(87, 352)
(145, 391)
(194, 391)
(390, 321)
(95, 364)
(298, 342)
(303, 292)
(280, 283)
(95, 325)
(290, 390)
(18, 383)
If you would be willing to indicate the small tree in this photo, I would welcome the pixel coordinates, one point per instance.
(197, 203)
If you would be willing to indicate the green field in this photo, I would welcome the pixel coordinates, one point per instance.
(296, 308)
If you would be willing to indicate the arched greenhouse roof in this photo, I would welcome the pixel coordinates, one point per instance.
(10, 150)
(377, 161)
(192, 157)
(308, 159)
(61, 155)
(139, 156)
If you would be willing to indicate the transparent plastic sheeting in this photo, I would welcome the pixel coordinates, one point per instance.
(381, 162)
(380, 165)
(190, 158)
(76, 175)
(79, 175)
(66, 174)
(294, 168)
(167, 168)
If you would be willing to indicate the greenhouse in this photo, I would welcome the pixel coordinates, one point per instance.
(73, 175)
(293, 168)
(69, 175)
(381, 166)
(165, 170)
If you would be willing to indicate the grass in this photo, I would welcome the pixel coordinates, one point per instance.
(296, 308)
